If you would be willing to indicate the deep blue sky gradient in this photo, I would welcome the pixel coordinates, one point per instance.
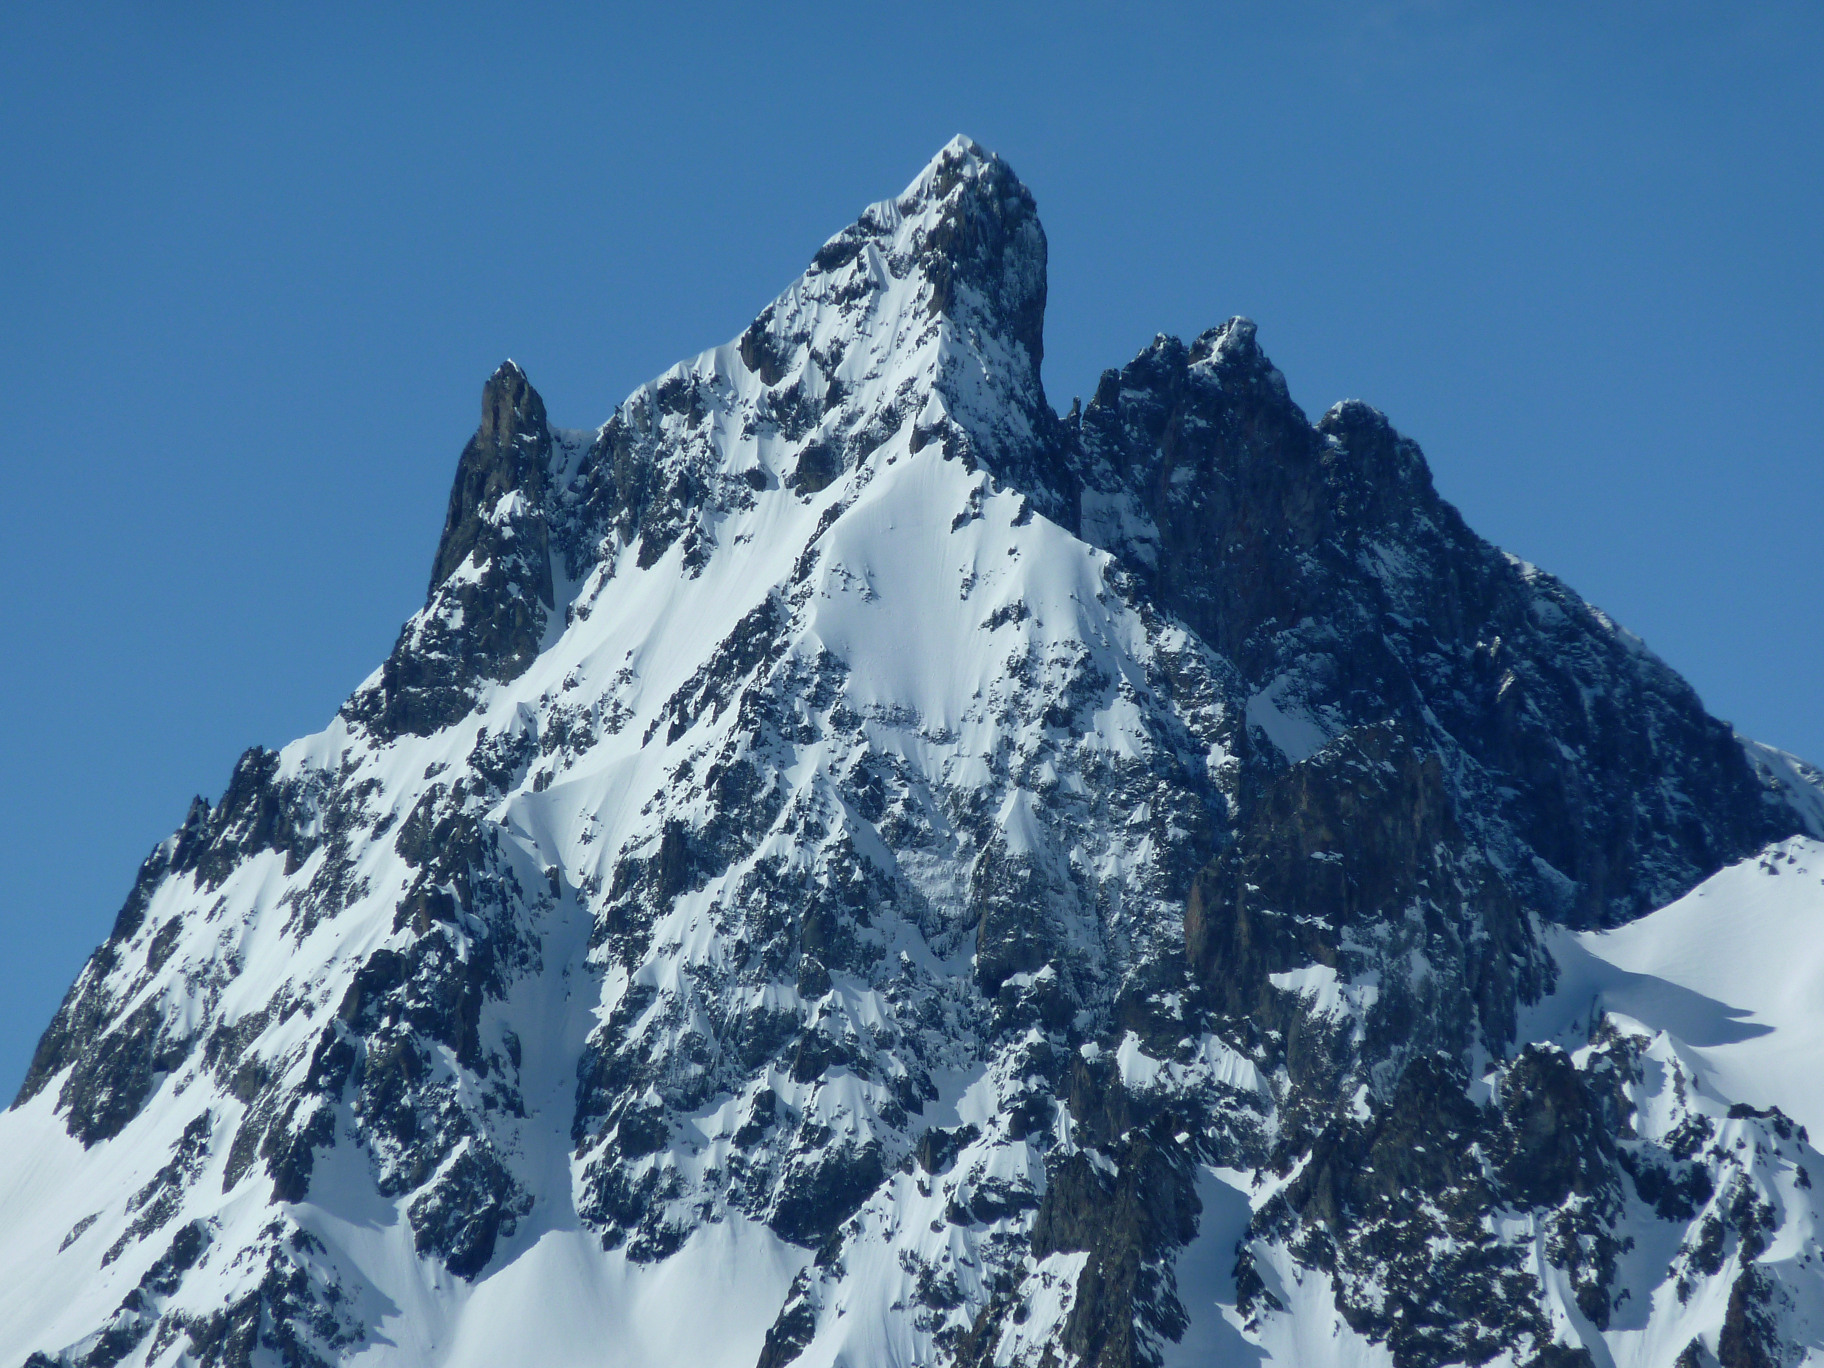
(256, 267)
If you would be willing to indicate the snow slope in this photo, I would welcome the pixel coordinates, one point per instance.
(1732, 973)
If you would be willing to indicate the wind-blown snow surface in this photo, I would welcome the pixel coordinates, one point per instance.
(1724, 988)
(1732, 973)
(746, 920)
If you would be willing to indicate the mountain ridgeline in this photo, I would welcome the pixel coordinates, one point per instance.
(946, 883)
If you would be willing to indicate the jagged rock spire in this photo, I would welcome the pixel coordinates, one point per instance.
(508, 454)
(491, 589)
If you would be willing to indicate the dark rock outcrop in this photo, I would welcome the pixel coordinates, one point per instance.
(1353, 862)
(1129, 1222)
(1750, 1338)
(1321, 561)
(491, 587)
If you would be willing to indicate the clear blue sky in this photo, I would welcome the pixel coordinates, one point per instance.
(257, 265)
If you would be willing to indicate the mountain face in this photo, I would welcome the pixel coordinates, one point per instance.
(850, 867)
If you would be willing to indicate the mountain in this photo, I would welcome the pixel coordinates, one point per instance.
(850, 867)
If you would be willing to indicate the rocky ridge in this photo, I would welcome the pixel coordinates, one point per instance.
(842, 813)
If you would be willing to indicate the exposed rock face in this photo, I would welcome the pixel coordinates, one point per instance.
(491, 590)
(1321, 562)
(1350, 867)
(948, 863)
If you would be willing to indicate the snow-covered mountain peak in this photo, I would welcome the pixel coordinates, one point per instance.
(979, 228)
(941, 882)
(928, 310)
(962, 158)
(919, 325)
